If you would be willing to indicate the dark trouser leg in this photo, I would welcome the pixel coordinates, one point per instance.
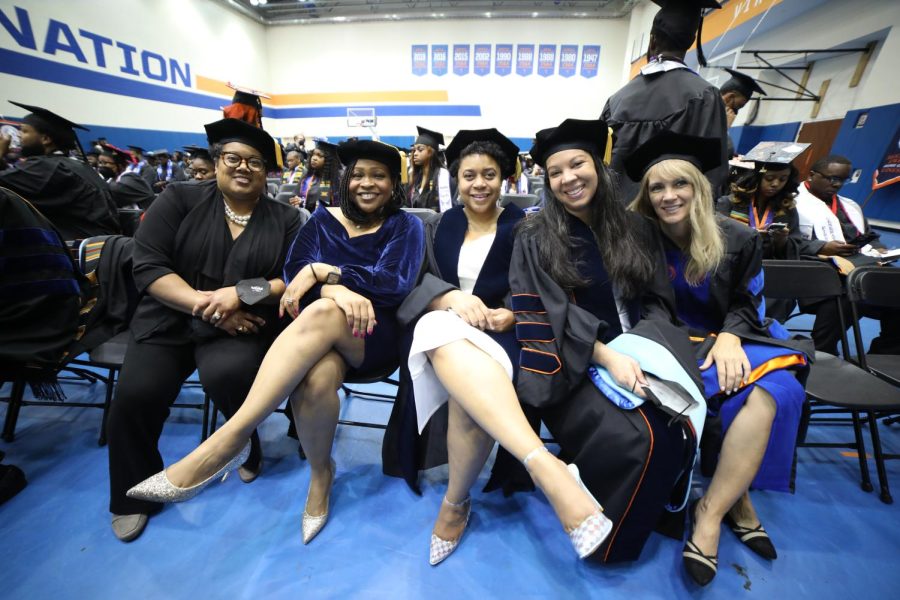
(227, 367)
(889, 340)
(826, 331)
(150, 381)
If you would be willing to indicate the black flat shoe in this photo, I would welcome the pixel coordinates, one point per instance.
(701, 568)
(754, 538)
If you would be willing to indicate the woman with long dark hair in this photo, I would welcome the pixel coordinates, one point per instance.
(584, 272)
(349, 269)
(429, 185)
(750, 367)
(322, 174)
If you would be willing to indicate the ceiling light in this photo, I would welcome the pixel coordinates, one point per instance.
(534, 14)
(488, 15)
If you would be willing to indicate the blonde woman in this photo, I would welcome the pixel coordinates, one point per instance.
(749, 366)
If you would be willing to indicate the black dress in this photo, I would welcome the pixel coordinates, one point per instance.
(185, 233)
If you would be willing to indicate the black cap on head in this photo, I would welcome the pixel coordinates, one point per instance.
(464, 137)
(705, 153)
(681, 22)
(775, 155)
(161, 152)
(353, 150)
(60, 129)
(429, 138)
(744, 84)
(245, 95)
(587, 135)
(198, 152)
(122, 157)
(326, 147)
(137, 149)
(235, 130)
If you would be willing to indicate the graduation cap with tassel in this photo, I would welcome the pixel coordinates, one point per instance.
(681, 21)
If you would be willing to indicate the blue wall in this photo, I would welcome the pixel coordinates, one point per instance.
(865, 148)
(747, 136)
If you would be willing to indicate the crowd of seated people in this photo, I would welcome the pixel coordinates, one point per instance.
(577, 316)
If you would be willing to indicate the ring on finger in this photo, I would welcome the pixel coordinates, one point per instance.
(216, 316)
(241, 329)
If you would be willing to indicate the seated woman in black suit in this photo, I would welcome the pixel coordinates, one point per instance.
(208, 259)
(464, 349)
(349, 269)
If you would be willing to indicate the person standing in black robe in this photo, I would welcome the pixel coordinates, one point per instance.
(129, 190)
(164, 172)
(208, 262)
(68, 192)
(667, 94)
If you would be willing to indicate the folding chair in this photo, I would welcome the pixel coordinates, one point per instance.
(523, 201)
(876, 287)
(834, 382)
(289, 187)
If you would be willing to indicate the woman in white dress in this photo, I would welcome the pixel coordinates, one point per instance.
(464, 349)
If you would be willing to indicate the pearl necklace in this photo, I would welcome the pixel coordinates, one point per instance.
(239, 220)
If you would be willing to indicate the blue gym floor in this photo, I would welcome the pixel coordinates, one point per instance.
(243, 540)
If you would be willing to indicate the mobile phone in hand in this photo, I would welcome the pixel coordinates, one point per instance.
(773, 227)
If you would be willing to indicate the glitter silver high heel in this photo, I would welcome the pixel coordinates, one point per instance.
(440, 548)
(158, 488)
(312, 525)
(591, 532)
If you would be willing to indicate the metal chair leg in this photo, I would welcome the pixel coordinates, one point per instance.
(866, 481)
(12, 410)
(110, 389)
(879, 460)
(205, 427)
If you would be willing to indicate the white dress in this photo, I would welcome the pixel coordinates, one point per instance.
(441, 327)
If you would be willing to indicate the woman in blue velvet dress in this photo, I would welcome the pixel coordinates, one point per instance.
(464, 350)
(349, 269)
(749, 365)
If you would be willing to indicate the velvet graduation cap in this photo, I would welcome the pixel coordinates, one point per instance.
(464, 137)
(743, 84)
(590, 136)
(429, 138)
(774, 155)
(60, 129)
(235, 130)
(681, 22)
(198, 152)
(122, 157)
(392, 157)
(702, 152)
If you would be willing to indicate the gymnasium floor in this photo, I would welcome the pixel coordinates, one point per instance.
(243, 541)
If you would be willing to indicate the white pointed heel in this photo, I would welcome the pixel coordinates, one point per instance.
(158, 488)
(312, 525)
(440, 548)
(591, 532)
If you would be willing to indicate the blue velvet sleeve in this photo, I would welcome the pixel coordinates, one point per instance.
(394, 274)
(304, 250)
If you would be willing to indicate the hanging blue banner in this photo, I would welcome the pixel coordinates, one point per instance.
(482, 59)
(568, 59)
(419, 59)
(546, 60)
(439, 59)
(590, 60)
(503, 59)
(461, 59)
(524, 59)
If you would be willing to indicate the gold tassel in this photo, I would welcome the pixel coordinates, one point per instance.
(607, 154)
(404, 171)
(279, 160)
(518, 170)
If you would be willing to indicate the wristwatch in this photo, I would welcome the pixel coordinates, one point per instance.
(333, 277)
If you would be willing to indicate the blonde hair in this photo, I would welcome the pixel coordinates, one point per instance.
(707, 247)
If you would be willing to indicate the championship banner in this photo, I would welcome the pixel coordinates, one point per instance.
(546, 60)
(503, 54)
(888, 171)
(590, 60)
(524, 59)
(568, 59)
(461, 59)
(482, 59)
(419, 59)
(439, 59)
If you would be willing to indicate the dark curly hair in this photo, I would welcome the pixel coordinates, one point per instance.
(745, 188)
(487, 148)
(355, 214)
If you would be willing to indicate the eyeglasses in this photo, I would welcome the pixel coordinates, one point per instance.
(233, 161)
(833, 180)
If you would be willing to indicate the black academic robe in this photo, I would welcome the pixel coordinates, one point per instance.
(185, 232)
(153, 175)
(131, 189)
(633, 461)
(404, 451)
(795, 245)
(678, 100)
(68, 192)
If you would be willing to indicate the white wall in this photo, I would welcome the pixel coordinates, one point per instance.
(376, 57)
